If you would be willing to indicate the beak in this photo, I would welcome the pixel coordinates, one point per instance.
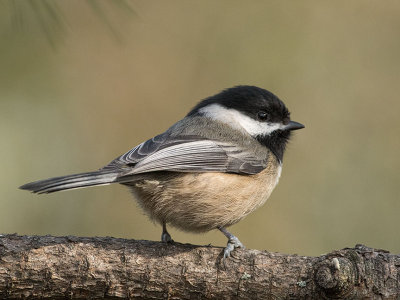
(293, 126)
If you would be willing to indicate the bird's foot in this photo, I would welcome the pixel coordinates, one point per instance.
(165, 236)
(233, 243)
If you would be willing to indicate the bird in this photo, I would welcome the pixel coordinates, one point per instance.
(207, 171)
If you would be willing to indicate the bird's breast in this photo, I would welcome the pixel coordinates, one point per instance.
(204, 201)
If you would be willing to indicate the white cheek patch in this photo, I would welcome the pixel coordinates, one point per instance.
(240, 121)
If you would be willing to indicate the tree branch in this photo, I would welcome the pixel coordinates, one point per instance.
(81, 268)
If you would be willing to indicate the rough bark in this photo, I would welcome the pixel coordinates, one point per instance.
(95, 268)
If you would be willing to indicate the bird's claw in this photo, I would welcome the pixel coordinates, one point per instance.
(166, 237)
(233, 243)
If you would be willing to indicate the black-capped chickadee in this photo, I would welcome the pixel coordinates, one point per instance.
(207, 171)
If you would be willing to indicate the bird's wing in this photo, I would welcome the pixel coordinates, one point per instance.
(187, 154)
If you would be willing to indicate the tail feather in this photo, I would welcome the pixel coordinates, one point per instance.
(74, 181)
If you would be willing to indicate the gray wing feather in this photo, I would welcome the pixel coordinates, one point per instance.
(140, 152)
(186, 154)
(198, 155)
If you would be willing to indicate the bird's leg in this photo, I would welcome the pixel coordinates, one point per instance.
(233, 242)
(165, 236)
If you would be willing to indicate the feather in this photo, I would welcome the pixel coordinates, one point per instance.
(68, 182)
(186, 153)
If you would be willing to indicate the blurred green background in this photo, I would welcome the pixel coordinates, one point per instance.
(82, 82)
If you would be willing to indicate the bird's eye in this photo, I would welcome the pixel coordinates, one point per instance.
(262, 115)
